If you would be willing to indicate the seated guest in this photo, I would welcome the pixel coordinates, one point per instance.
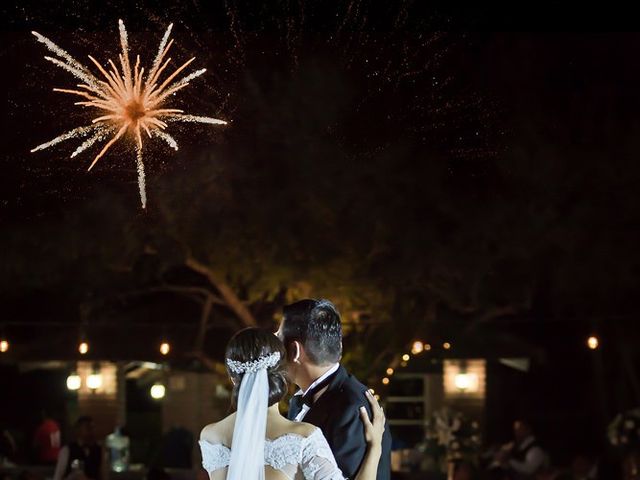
(82, 459)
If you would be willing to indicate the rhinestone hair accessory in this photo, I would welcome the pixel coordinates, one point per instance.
(266, 361)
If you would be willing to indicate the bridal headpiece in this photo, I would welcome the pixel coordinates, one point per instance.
(264, 362)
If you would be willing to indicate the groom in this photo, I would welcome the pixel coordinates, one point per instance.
(329, 397)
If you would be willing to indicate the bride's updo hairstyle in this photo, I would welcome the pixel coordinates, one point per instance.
(249, 345)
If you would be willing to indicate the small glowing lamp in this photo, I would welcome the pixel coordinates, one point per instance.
(165, 348)
(83, 348)
(74, 381)
(157, 391)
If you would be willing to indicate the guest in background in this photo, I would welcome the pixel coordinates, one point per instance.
(81, 459)
(46, 441)
(524, 458)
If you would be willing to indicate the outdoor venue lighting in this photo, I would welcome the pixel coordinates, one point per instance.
(74, 382)
(83, 348)
(94, 381)
(593, 342)
(157, 391)
(466, 381)
(165, 348)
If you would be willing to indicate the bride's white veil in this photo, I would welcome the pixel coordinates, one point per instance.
(247, 447)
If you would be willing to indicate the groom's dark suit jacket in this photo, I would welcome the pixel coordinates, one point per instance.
(337, 414)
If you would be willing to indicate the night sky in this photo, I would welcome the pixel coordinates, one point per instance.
(478, 181)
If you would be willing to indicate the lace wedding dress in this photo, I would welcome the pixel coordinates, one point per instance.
(294, 456)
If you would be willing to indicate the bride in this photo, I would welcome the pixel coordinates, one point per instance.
(256, 442)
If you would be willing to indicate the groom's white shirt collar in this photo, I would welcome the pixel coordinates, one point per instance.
(305, 408)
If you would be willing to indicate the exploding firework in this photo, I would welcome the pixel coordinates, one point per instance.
(128, 101)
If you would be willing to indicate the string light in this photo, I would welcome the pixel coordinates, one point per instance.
(417, 347)
(427, 347)
(403, 364)
(74, 382)
(83, 348)
(406, 357)
(385, 381)
(593, 342)
(446, 345)
(389, 371)
(4, 345)
(165, 348)
(157, 391)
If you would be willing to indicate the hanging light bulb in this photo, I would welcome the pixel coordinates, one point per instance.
(427, 347)
(406, 357)
(389, 371)
(74, 382)
(417, 347)
(165, 348)
(593, 342)
(385, 381)
(157, 391)
(83, 347)
(446, 345)
(94, 381)
(4, 345)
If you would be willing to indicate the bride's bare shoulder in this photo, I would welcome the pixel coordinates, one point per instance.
(219, 432)
(304, 429)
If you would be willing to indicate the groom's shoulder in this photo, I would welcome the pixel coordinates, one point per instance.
(351, 390)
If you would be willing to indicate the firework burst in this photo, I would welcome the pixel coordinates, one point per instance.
(129, 103)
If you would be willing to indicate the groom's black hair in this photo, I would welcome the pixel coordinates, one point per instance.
(316, 324)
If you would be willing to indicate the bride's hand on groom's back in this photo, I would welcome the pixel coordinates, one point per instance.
(373, 428)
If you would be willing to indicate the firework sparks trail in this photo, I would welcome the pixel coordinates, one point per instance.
(100, 135)
(129, 103)
(141, 178)
(167, 138)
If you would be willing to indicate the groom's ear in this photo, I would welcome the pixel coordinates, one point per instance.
(296, 351)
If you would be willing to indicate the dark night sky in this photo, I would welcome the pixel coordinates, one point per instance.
(567, 100)
(556, 116)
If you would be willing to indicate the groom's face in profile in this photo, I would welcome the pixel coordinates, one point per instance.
(312, 334)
